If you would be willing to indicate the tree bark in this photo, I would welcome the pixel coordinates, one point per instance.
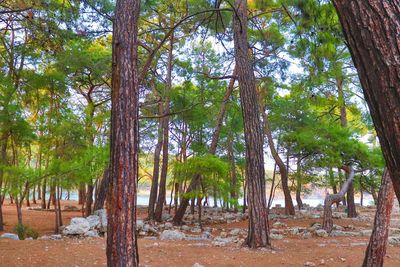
(289, 207)
(121, 230)
(101, 192)
(258, 232)
(89, 199)
(298, 185)
(156, 169)
(372, 32)
(165, 130)
(376, 249)
(327, 222)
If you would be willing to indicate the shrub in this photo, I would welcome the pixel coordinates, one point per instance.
(24, 231)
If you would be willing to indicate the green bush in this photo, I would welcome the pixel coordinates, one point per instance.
(24, 231)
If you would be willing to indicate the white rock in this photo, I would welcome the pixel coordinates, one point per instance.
(139, 225)
(276, 236)
(394, 240)
(103, 219)
(166, 217)
(168, 225)
(197, 265)
(321, 233)
(235, 231)
(309, 263)
(55, 237)
(78, 226)
(279, 224)
(92, 233)
(10, 236)
(172, 235)
(94, 221)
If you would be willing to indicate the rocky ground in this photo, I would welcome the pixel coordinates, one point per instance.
(215, 241)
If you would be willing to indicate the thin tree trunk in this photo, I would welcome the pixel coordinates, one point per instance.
(372, 32)
(298, 185)
(231, 157)
(165, 130)
(289, 207)
(272, 187)
(376, 250)
(18, 204)
(122, 247)
(327, 222)
(44, 194)
(258, 231)
(89, 199)
(156, 168)
(101, 192)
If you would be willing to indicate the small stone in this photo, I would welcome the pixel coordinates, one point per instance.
(394, 240)
(10, 236)
(168, 225)
(321, 233)
(235, 231)
(309, 263)
(279, 224)
(306, 235)
(223, 234)
(172, 235)
(276, 236)
(197, 265)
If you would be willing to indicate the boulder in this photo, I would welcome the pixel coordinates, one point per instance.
(168, 225)
(9, 236)
(91, 233)
(78, 226)
(103, 219)
(166, 217)
(94, 221)
(139, 225)
(172, 235)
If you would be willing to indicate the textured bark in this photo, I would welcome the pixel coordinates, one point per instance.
(121, 230)
(101, 191)
(258, 232)
(372, 31)
(351, 206)
(3, 160)
(376, 249)
(156, 169)
(327, 222)
(185, 201)
(231, 157)
(298, 185)
(289, 207)
(89, 199)
(44, 194)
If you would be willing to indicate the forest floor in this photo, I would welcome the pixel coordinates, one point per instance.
(289, 251)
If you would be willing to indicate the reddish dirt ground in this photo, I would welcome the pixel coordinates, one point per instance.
(291, 251)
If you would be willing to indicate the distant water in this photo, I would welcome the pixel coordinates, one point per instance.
(143, 199)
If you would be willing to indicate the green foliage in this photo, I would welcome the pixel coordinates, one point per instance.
(24, 232)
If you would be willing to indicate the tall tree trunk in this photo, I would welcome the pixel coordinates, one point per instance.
(44, 194)
(376, 249)
(3, 161)
(18, 204)
(89, 199)
(121, 230)
(165, 130)
(231, 157)
(289, 207)
(156, 168)
(327, 222)
(101, 191)
(258, 232)
(298, 185)
(372, 31)
(351, 206)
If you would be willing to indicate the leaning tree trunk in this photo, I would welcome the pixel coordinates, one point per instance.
(372, 31)
(351, 206)
(258, 232)
(376, 249)
(289, 207)
(121, 229)
(327, 222)
(156, 168)
(101, 191)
